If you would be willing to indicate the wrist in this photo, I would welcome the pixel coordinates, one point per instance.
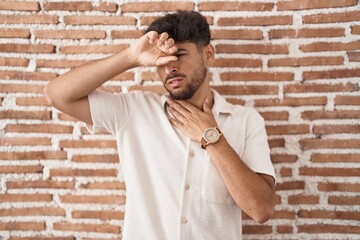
(131, 57)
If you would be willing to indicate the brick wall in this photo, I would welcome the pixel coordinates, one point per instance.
(297, 62)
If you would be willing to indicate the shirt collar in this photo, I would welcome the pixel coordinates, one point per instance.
(220, 104)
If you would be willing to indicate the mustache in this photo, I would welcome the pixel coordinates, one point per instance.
(170, 76)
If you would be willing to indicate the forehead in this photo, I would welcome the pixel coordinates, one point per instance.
(186, 46)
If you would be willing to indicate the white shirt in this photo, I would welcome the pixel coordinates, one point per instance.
(173, 190)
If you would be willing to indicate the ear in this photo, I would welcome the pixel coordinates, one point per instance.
(209, 54)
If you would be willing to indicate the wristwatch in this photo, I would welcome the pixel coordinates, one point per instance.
(211, 135)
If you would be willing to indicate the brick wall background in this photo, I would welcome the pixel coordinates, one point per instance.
(297, 62)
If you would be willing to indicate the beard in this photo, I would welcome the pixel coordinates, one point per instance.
(190, 88)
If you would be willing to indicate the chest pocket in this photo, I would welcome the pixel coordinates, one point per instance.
(214, 190)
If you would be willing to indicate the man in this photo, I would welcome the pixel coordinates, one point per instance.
(191, 161)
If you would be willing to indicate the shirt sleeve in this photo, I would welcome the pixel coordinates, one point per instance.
(257, 152)
(110, 112)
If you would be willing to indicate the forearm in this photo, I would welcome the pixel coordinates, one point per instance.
(251, 192)
(83, 80)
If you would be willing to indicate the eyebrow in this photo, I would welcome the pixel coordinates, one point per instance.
(182, 49)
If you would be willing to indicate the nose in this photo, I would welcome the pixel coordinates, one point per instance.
(171, 68)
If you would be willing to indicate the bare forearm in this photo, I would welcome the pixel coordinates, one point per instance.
(251, 192)
(83, 80)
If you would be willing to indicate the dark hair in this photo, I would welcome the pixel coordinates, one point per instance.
(183, 26)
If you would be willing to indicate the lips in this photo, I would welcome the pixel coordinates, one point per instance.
(175, 82)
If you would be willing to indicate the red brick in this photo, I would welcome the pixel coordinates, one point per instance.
(86, 227)
(156, 6)
(339, 114)
(27, 48)
(103, 215)
(278, 115)
(40, 184)
(339, 187)
(354, 56)
(22, 226)
(287, 129)
(21, 88)
(329, 214)
(255, 21)
(126, 34)
(284, 5)
(104, 185)
(237, 34)
(328, 228)
(306, 61)
(257, 76)
(67, 172)
(103, 199)
(47, 237)
(246, 90)
(14, 62)
(13, 114)
(105, 49)
(286, 172)
(34, 155)
(332, 74)
(80, 6)
(70, 34)
(88, 144)
(34, 211)
(237, 62)
(329, 46)
(332, 129)
(284, 215)
(347, 100)
(252, 48)
(22, 75)
(21, 169)
(103, 158)
(284, 229)
(307, 33)
(39, 128)
(276, 142)
(19, 6)
(24, 141)
(355, 30)
(99, 20)
(347, 200)
(63, 63)
(290, 101)
(256, 229)
(290, 185)
(29, 19)
(283, 158)
(303, 199)
(235, 6)
(14, 33)
(325, 158)
(31, 101)
(323, 171)
(347, 16)
(329, 143)
(6, 198)
(306, 88)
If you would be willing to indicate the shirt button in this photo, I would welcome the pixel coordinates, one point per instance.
(184, 220)
(187, 187)
(191, 154)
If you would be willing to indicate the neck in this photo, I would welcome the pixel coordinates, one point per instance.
(199, 97)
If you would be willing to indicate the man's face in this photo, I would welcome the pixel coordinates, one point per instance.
(182, 78)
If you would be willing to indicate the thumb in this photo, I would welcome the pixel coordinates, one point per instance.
(206, 105)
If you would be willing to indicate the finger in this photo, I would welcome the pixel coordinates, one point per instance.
(178, 107)
(177, 115)
(165, 60)
(169, 42)
(163, 37)
(175, 123)
(152, 35)
(188, 106)
(173, 49)
(206, 106)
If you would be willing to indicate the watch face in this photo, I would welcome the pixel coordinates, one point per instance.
(211, 135)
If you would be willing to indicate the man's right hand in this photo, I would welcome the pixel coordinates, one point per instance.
(154, 49)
